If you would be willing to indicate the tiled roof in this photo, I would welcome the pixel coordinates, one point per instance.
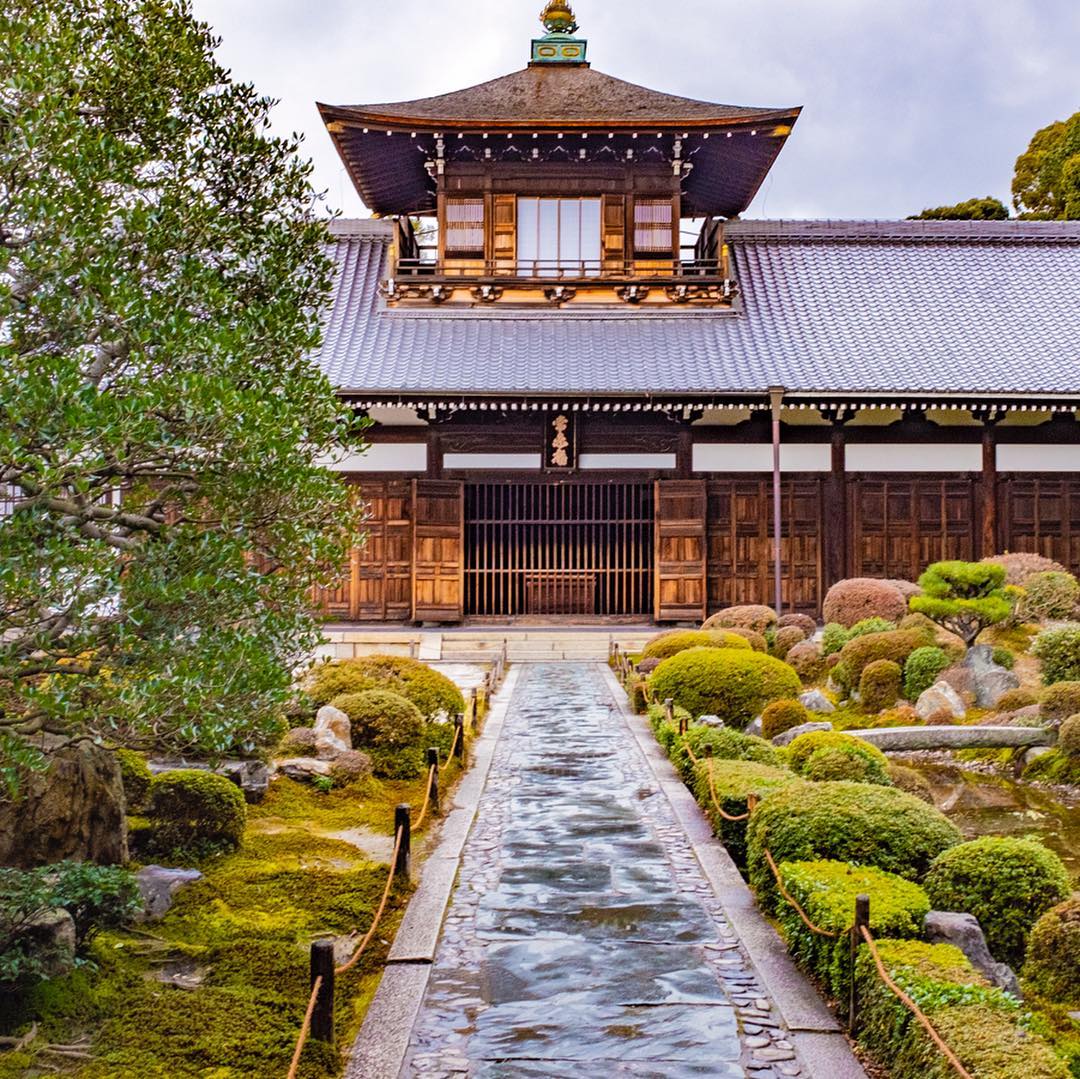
(859, 308)
(558, 93)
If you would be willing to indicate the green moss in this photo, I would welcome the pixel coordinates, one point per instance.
(733, 782)
(827, 892)
(136, 777)
(1054, 767)
(1052, 968)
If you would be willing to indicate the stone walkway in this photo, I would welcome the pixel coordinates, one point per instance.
(583, 939)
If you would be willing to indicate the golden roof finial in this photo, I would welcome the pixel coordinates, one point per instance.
(558, 18)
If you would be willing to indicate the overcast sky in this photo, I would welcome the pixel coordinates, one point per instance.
(908, 103)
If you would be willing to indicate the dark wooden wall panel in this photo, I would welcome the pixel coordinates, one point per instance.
(740, 542)
(1041, 513)
(900, 524)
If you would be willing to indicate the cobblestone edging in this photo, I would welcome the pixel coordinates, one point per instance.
(537, 972)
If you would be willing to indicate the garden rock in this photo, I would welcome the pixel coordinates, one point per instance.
(962, 679)
(252, 777)
(1034, 753)
(158, 887)
(991, 681)
(964, 932)
(328, 747)
(940, 697)
(815, 701)
(754, 727)
(303, 768)
(333, 733)
(713, 721)
(788, 737)
(75, 809)
(50, 937)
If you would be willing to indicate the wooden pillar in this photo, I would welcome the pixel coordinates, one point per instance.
(776, 400)
(835, 510)
(684, 454)
(988, 493)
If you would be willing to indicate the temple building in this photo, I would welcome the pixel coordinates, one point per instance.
(598, 393)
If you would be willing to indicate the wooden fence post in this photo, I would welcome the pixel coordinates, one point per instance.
(403, 821)
(862, 921)
(433, 771)
(322, 966)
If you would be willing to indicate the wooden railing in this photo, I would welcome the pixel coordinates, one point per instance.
(544, 271)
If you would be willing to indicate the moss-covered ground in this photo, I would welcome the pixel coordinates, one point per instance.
(244, 932)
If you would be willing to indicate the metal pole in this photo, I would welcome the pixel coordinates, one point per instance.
(403, 821)
(322, 965)
(776, 398)
(433, 763)
(862, 920)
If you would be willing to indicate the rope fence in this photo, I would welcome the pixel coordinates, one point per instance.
(319, 1015)
(712, 790)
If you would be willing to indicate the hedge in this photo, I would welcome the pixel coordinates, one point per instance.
(806, 745)
(666, 645)
(734, 782)
(731, 684)
(826, 891)
(433, 693)
(1052, 967)
(846, 822)
(725, 744)
(982, 1025)
(195, 812)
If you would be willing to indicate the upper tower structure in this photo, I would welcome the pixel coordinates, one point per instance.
(558, 172)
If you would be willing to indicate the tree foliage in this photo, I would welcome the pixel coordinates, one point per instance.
(1046, 184)
(964, 597)
(984, 209)
(162, 277)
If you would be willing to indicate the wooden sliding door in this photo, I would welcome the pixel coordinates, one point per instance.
(438, 551)
(681, 506)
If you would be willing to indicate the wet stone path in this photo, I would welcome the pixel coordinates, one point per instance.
(583, 939)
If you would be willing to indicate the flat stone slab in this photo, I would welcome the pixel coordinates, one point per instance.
(902, 739)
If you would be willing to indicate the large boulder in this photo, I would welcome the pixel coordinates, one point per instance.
(938, 699)
(333, 733)
(50, 938)
(304, 768)
(964, 932)
(788, 737)
(158, 887)
(815, 701)
(990, 681)
(74, 809)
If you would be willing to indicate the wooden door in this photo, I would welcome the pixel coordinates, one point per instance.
(382, 591)
(680, 550)
(438, 551)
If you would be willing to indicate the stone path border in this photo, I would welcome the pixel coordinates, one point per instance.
(380, 1047)
(814, 1030)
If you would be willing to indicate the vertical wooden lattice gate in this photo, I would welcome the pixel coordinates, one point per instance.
(558, 549)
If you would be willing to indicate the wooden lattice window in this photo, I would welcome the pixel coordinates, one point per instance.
(465, 226)
(653, 224)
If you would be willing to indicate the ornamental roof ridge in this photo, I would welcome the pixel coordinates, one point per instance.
(906, 231)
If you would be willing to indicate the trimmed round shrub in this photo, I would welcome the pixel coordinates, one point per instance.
(850, 601)
(1020, 565)
(432, 692)
(381, 719)
(845, 822)
(195, 811)
(896, 645)
(906, 588)
(1008, 884)
(329, 680)
(136, 777)
(1012, 700)
(785, 639)
(921, 670)
(669, 644)
(803, 621)
(1059, 651)
(835, 636)
(834, 763)
(910, 780)
(1060, 701)
(1004, 658)
(756, 640)
(1069, 737)
(807, 661)
(350, 767)
(806, 745)
(1049, 596)
(782, 716)
(879, 685)
(724, 682)
(733, 782)
(755, 617)
(1052, 967)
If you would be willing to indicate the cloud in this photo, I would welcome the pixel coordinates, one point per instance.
(908, 103)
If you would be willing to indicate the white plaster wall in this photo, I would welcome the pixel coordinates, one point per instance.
(627, 460)
(382, 457)
(1028, 458)
(732, 457)
(919, 457)
(492, 460)
(392, 416)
